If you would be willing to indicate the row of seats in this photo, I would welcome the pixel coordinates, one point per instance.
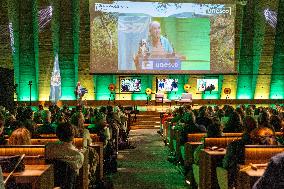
(35, 155)
(253, 155)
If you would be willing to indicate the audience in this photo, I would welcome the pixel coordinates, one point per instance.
(235, 150)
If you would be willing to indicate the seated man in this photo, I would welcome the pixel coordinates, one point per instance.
(273, 177)
(65, 150)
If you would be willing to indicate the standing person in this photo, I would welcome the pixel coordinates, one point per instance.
(78, 91)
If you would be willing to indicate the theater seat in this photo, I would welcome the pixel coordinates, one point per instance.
(64, 175)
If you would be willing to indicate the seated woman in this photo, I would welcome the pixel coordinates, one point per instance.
(235, 150)
(234, 124)
(214, 130)
(78, 120)
(65, 150)
(20, 136)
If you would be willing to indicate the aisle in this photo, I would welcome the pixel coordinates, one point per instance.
(146, 166)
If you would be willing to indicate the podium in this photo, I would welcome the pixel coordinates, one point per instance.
(165, 61)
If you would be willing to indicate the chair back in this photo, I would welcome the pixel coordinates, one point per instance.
(195, 137)
(221, 142)
(34, 154)
(64, 174)
(258, 154)
(233, 134)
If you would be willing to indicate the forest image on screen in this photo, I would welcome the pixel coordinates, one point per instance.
(162, 37)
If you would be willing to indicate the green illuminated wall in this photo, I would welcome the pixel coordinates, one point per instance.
(259, 53)
(277, 79)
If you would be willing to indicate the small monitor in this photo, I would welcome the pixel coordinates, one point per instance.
(207, 85)
(130, 85)
(167, 85)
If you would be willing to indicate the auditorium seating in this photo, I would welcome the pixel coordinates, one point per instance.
(221, 142)
(35, 155)
(254, 154)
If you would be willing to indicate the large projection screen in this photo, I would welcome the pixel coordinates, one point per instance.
(162, 38)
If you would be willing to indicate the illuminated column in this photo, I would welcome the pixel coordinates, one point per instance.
(28, 50)
(277, 79)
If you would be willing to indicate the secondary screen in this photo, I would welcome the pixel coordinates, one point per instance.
(155, 37)
(130, 85)
(207, 84)
(167, 84)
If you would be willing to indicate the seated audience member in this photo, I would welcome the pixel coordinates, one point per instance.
(10, 122)
(241, 112)
(235, 150)
(78, 120)
(214, 130)
(189, 125)
(264, 120)
(273, 177)
(2, 123)
(234, 124)
(46, 127)
(263, 136)
(20, 136)
(65, 150)
(203, 117)
(275, 122)
(28, 121)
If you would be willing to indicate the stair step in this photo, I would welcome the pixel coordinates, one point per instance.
(144, 127)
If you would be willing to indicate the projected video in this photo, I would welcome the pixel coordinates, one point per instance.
(207, 85)
(167, 84)
(130, 85)
(162, 37)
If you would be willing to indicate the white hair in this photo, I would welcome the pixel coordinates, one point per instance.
(153, 23)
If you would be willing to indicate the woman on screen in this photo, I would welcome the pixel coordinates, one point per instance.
(156, 45)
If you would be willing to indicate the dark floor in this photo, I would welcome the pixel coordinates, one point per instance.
(146, 166)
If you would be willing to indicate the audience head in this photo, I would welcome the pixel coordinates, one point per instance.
(263, 119)
(20, 136)
(40, 107)
(263, 136)
(214, 129)
(65, 132)
(103, 109)
(249, 124)
(46, 116)
(28, 113)
(275, 122)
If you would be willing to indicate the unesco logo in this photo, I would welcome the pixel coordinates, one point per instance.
(225, 10)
